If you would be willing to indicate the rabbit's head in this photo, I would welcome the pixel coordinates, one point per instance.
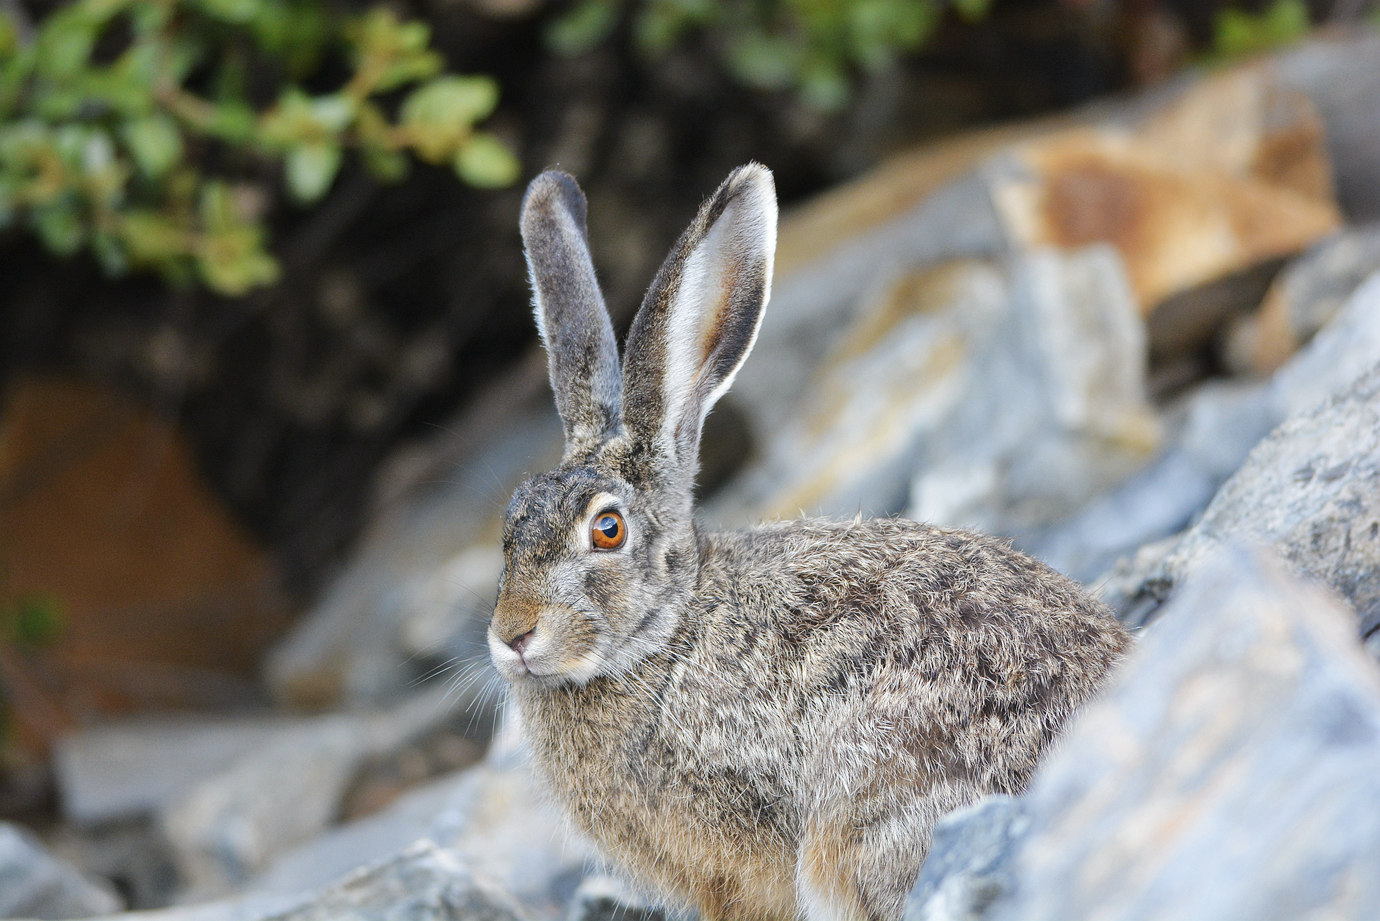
(600, 554)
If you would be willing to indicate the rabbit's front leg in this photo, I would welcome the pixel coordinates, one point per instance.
(849, 873)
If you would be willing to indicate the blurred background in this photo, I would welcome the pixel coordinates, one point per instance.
(268, 371)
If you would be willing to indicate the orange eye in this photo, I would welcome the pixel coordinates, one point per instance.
(608, 531)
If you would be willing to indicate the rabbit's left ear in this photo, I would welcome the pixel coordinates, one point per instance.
(700, 317)
(582, 354)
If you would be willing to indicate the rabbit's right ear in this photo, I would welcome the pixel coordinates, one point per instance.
(582, 354)
(699, 320)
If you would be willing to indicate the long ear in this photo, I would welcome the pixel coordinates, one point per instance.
(700, 317)
(574, 325)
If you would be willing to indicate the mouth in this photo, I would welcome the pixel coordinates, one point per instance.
(513, 665)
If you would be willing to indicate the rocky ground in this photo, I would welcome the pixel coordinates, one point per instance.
(1143, 341)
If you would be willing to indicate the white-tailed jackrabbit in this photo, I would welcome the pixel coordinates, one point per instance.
(766, 722)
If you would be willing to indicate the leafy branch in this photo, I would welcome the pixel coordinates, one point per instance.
(143, 130)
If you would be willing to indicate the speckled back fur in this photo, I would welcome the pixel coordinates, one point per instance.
(767, 722)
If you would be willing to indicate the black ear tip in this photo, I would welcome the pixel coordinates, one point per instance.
(554, 188)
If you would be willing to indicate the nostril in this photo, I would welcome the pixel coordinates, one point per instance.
(519, 643)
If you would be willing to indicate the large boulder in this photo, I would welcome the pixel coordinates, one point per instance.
(423, 881)
(229, 795)
(980, 376)
(1210, 436)
(493, 817)
(1310, 491)
(1230, 770)
(1209, 179)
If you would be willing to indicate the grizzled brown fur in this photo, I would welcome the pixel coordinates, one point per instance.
(765, 722)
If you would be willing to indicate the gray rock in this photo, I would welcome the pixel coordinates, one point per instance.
(969, 866)
(493, 817)
(133, 855)
(250, 909)
(1310, 491)
(608, 898)
(1231, 770)
(35, 884)
(424, 882)
(125, 770)
(228, 827)
(1046, 420)
(964, 386)
(1342, 80)
(1340, 352)
(1210, 437)
(811, 307)
(338, 851)
(1303, 299)
(1209, 440)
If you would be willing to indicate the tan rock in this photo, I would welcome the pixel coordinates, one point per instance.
(1176, 224)
(888, 192)
(1240, 122)
(102, 508)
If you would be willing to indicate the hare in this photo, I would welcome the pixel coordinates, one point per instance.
(764, 722)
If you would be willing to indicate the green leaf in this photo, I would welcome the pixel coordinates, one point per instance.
(151, 238)
(310, 169)
(65, 43)
(234, 122)
(1238, 33)
(149, 18)
(15, 70)
(825, 87)
(297, 33)
(110, 253)
(216, 207)
(486, 163)
(154, 143)
(333, 112)
(233, 262)
(409, 69)
(439, 115)
(302, 119)
(972, 10)
(657, 28)
(7, 206)
(584, 27)
(388, 165)
(398, 50)
(9, 35)
(764, 61)
(38, 620)
(238, 12)
(60, 227)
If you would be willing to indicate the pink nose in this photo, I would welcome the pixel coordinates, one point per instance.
(519, 643)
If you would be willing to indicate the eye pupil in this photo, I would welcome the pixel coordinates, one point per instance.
(608, 532)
